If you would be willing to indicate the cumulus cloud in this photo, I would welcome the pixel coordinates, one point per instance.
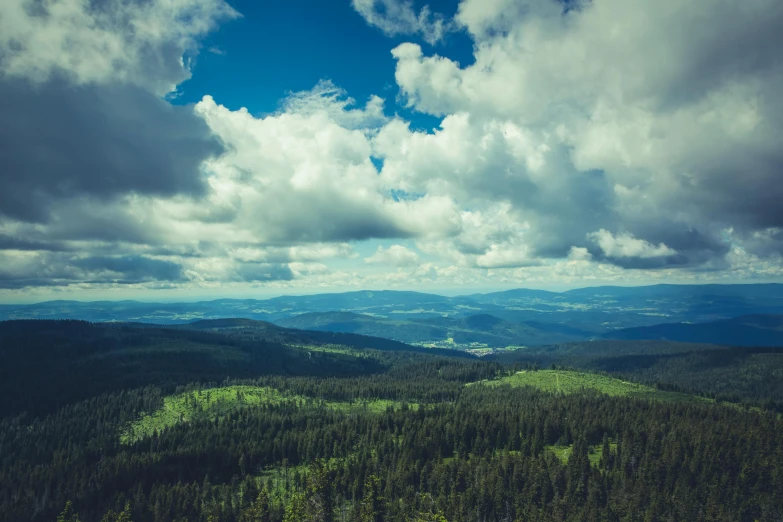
(582, 142)
(134, 42)
(327, 99)
(398, 17)
(133, 268)
(305, 176)
(506, 256)
(296, 253)
(625, 245)
(26, 269)
(62, 141)
(660, 117)
(80, 86)
(396, 255)
(86, 141)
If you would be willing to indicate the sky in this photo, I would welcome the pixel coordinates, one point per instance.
(167, 149)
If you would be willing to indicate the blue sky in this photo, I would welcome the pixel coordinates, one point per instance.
(282, 47)
(174, 150)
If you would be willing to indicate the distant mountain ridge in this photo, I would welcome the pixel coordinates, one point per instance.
(510, 317)
(479, 329)
(252, 330)
(748, 330)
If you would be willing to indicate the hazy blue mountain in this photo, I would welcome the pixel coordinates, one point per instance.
(749, 330)
(251, 330)
(517, 294)
(767, 290)
(465, 332)
(349, 322)
(528, 316)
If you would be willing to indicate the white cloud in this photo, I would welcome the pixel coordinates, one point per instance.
(643, 116)
(500, 256)
(128, 41)
(579, 254)
(625, 245)
(305, 176)
(661, 119)
(396, 255)
(398, 17)
(328, 100)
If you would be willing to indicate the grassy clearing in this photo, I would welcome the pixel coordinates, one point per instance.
(281, 476)
(569, 382)
(331, 348)
(594, 453)
(198, 405)
(211, 403)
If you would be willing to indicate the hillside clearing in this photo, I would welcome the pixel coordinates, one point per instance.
(569, 382)
(594, 453)
(212, 403)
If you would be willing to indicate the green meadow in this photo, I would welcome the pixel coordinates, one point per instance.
(594, 453)
(569, 382)
(212, 403)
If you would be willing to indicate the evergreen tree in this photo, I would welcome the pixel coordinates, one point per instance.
(68, 514)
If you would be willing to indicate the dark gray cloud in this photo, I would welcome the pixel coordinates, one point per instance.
(325, 217)
(9, 242)
(132, 268)
(60, 141)
(13, 282)
(61, 269)
(694, 248)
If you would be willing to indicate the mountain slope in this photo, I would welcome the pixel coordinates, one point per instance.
(46, 364)
(251, 330)
(348, 322)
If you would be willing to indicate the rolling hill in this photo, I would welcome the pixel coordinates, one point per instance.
(596, 310)
(468, 331)
(749, 330)
(251, 330)
(47, 364)
(571, 382)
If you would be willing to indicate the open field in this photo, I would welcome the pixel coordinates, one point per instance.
(594, 453)
(569, 382)
(210, 403)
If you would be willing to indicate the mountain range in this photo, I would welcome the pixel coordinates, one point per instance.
(723, 314)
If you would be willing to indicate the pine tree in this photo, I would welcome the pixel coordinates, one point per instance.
(68, 514)
(319, 492)
(296, 509)
(259, 511)
(606, 457)
(372, 509)
(122, 516)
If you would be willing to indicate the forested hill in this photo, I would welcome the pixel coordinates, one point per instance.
(478, 329)
(747, 330)
(47, 364)
(584, 312)
(736, 374)
(240, 421)
(249, 329)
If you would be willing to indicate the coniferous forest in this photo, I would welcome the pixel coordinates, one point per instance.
(235, 422)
